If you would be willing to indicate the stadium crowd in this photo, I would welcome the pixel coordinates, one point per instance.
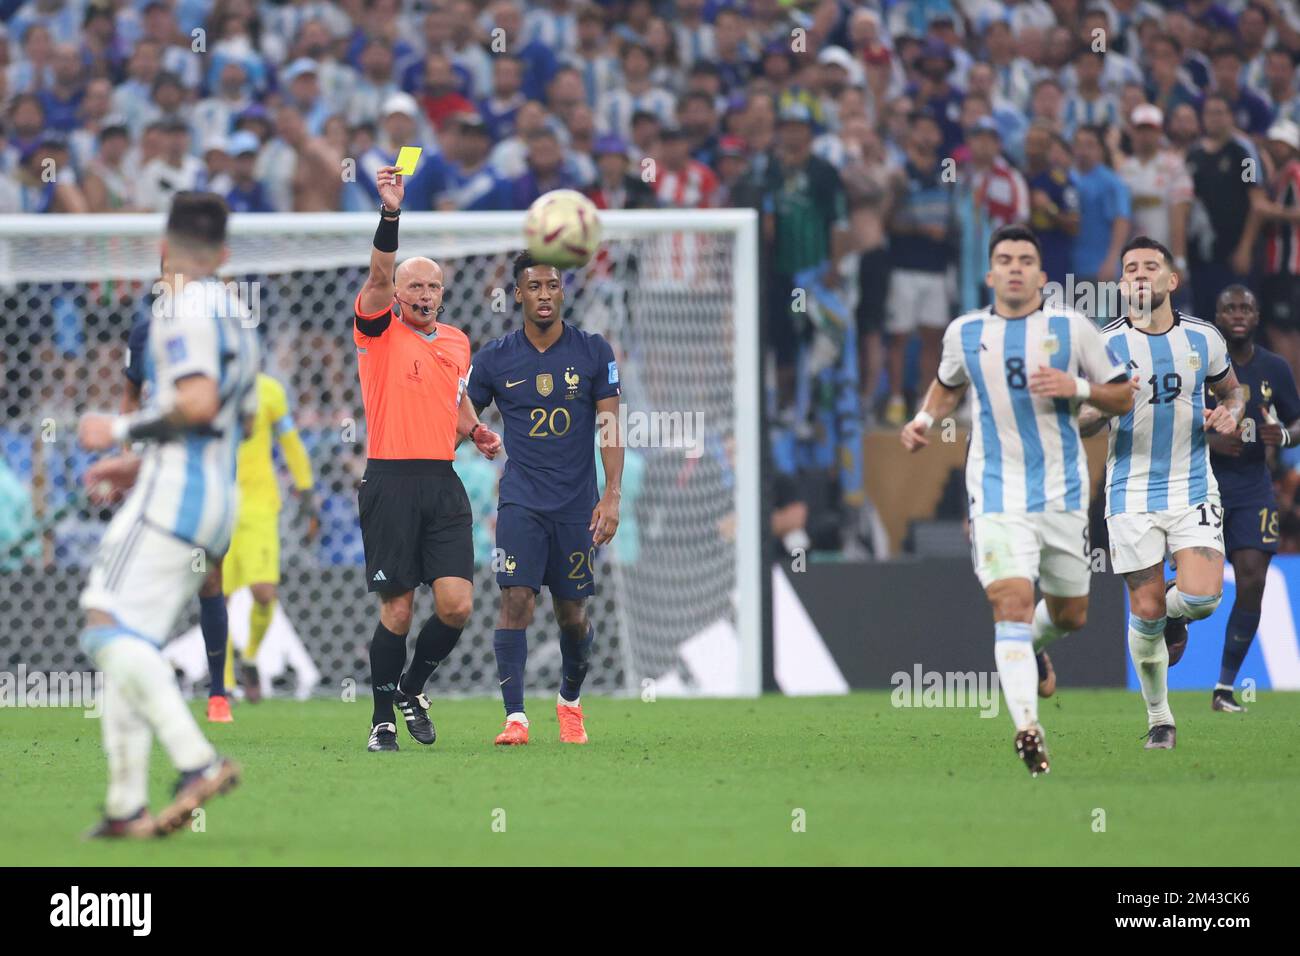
(882, 141)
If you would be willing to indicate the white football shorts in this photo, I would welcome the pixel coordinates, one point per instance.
(1143, 539)
(143, 576)
(1050, 547)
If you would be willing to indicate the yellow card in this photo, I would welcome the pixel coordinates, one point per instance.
(407, 157)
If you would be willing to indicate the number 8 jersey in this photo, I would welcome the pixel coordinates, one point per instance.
(1159, 459)
(1025, 451)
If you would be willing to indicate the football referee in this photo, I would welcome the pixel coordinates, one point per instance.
(415, 515)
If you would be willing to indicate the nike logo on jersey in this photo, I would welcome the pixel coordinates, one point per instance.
(581, 586)
(513, 384)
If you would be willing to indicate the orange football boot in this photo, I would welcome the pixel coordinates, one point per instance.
(571, 729)
(219, 711)
(515, 733)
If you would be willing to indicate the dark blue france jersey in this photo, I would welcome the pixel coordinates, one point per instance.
(548, 403)
(1266, 380)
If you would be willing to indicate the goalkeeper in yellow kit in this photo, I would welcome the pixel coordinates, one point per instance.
(253, 560)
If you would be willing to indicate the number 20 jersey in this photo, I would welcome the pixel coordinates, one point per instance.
(1159, 459)
(1025, 452)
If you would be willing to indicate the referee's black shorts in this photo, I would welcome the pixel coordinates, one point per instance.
(416, 524)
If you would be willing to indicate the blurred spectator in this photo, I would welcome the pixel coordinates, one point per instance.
(439, 96)
(805, 221)
(921, 233)
(1053, 198)
(19, 540)
(935, 93)
(245, 193)
(230, 98)
(471, 182)
(733, 57)
(581, 131)
(868, 178)
(1279, 90)
(1014, 75)
(45, 179)
(177, 56)
(1249, 112)
(616, 107)
(499, 109)
(110, 183)
(1225, 197)
(1166, 87)
(133, 98)
(176, 170)
(217, 165)
(1278, 218)
(1089, 104)
(315, 175)
(301, 84)
(993, 194)
(694, 35)
(34, 70)
(565, 94)
(682, 182)
(61, 100)
(1105, 210)
(1159, 188)
(553, 24)
(167, 102)
(540, 60)
(1047, 104)
(615, 186)
(375, 84)
(510, 155)
(662, 44)
(546, 170)
(592, 57)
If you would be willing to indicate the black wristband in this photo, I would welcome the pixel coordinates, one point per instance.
(477, 426)
(386, 233)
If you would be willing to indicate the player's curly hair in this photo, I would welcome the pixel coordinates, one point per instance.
(524, 261)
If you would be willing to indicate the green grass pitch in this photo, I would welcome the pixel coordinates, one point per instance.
(693, 782)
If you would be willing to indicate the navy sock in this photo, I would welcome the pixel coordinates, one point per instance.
(215, 624)
(511, 647)
(574, 658)
(1236, 644)
(432, 646)
(387, 657)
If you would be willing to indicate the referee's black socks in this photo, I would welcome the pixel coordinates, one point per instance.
(433, 645)
(387, 656)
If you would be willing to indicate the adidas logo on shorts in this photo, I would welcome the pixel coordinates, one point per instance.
(379, 576)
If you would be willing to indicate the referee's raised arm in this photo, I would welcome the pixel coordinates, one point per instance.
(377, 293)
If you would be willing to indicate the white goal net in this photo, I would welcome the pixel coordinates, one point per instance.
(678, 599)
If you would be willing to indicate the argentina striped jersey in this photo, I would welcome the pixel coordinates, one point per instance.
(1025, 451)
(186, 486)
(1159, 459)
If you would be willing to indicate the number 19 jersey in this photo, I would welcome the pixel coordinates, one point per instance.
(1025, 452)
(1159, 459)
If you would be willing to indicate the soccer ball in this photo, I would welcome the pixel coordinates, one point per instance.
(562, 229)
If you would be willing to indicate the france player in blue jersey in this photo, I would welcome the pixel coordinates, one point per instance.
(1030, 367)
(1250, 518)
(1161, 495)
(552, 384)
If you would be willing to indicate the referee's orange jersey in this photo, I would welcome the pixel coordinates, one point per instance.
(411, 384)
